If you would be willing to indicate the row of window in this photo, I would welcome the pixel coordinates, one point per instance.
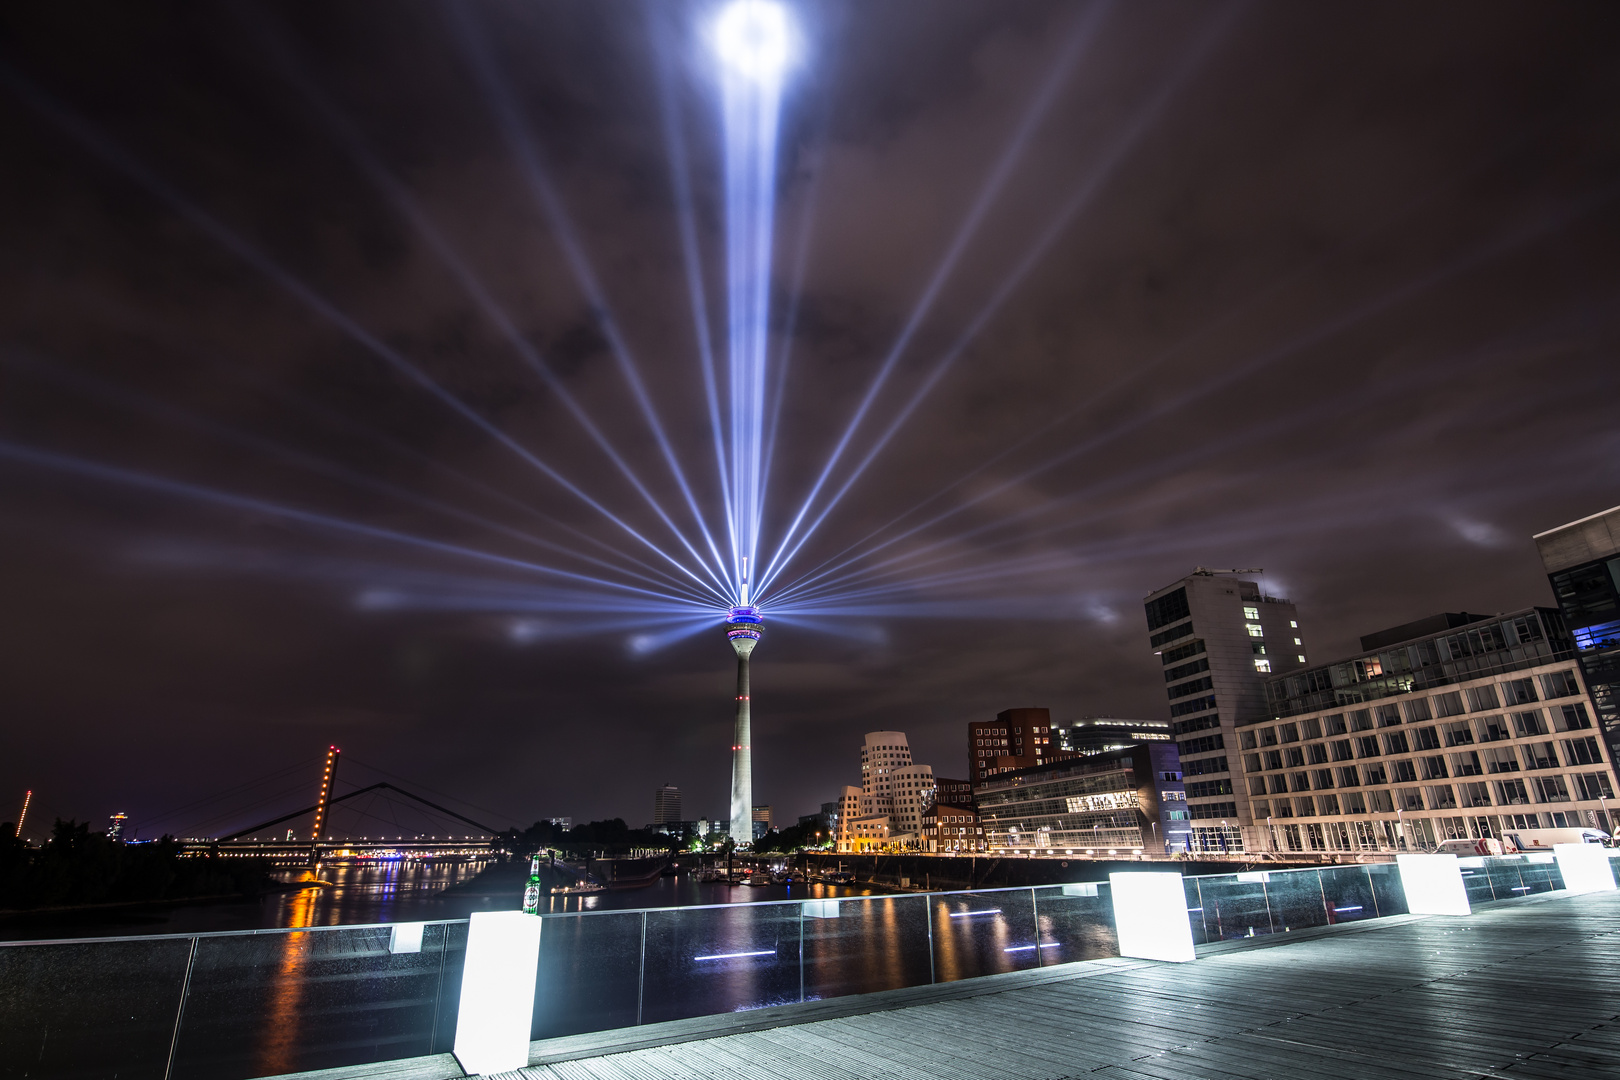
(1583, 787)
(1571, 716)
(1499, 761)
(1196, 723)
(1489, 729)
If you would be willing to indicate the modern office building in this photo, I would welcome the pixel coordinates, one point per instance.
(1015, 739)
(959, 792)
(1435, 731)
(116, 826)
(1219, 638)
(666, 804)
(1583, 565)
(1119, 802)
(1099, 734)
(763, 814)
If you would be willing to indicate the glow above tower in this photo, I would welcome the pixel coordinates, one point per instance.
(743, 630)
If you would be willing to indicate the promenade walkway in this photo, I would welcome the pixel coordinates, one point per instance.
(1525, 988)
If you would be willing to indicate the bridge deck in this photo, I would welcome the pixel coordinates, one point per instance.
(1526, 988)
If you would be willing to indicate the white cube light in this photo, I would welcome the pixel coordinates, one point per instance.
(1433, 885)
(1585, 867)
(497, 992)
(406, 937)
(820, 909)
(1150, 913)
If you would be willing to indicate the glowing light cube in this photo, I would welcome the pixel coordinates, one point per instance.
(820, 909)
(497, 992)
(406, 938)
(1433, 885)
(1585, 867)
(1150, 912)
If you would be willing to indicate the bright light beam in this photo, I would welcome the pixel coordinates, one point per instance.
(95, 470)
(173, 415)
(399, 195)
(1377, 306)
(753, 40)
(1011, 154)
(1140, 372)
(111, 153)
(516, 131)
(1144, 121)
(697, 294)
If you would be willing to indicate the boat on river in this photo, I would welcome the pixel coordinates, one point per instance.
(578, 888)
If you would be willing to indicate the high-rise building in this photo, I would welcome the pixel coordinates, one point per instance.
(1015, 739)
(1219, 639)
(1435, 731)
(1583, 564)
(666, 804)
(116, 825)
(893, 794)
(743, 631)
(763, 814)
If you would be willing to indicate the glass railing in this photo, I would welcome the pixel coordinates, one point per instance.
(1226, 906)
(230, 1006)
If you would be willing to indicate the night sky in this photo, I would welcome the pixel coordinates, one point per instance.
(1328, 289)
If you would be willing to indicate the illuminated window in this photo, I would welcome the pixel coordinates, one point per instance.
(1302, 658)
(1294, 624)
(1254, 629)
(1298, 642)
(1261, 664)
(1252, 613)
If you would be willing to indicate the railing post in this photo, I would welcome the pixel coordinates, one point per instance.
(180, 1010)
(928, 910)
(1372, 891)
(801, 953)
(1035, 910)
(438, 989)
(641, 972)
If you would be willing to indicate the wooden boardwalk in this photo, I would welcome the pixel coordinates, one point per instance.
(1526, 988)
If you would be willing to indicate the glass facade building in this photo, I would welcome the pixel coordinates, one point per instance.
(1583, 566)
(1123, 801)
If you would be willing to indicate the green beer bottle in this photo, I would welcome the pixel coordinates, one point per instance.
(531, 891)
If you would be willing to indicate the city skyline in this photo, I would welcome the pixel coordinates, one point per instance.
(1338, 340)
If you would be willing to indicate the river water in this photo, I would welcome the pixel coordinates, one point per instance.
(380, 891)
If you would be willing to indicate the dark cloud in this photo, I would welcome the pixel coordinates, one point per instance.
(1336, 298)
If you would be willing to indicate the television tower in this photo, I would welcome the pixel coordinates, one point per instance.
(743, 630)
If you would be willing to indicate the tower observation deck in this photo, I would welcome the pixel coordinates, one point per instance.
(743, 630)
